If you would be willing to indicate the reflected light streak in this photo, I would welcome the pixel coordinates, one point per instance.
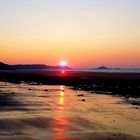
(60, 123)
(62, 94)
(63, 72)
(61, 99)
(62, 88)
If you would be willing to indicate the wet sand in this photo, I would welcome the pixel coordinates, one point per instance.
(42, 112)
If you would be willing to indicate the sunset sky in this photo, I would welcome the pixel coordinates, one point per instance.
(84, 33)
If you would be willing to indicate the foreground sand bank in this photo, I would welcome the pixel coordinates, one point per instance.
(56, 113)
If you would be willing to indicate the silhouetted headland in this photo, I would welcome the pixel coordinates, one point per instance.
(4, 66)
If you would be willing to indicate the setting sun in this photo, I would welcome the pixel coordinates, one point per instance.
(63, 63)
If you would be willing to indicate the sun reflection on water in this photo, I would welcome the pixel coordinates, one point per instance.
(62, 94)
(60, 123)
(62, 88)
(61, 99)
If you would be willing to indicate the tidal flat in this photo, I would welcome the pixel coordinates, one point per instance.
(57, 112)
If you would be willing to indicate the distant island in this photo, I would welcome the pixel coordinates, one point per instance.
(103, 68)
(4, 66)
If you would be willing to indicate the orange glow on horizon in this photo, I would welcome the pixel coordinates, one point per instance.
(85, 37)
(79, 56)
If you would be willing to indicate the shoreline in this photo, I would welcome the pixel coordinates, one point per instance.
(125, 84)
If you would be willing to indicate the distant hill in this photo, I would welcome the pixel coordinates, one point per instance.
(4, 66)
(103, 68)
(28, 67)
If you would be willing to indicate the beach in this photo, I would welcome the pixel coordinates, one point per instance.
(57, 112)
(69, 69)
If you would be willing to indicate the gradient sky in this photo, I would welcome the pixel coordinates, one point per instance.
(82, 32)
